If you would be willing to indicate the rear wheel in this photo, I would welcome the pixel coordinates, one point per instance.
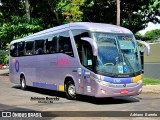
(23, 83)
(70, 90)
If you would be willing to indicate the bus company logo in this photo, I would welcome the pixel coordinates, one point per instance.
(63, 61)
(6, 114)
(17, 66)
(117, 80)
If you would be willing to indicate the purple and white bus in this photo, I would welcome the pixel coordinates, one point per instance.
(93, 59)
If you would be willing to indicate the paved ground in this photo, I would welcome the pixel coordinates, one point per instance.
(12, 98)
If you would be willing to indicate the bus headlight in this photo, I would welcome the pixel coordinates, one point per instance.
(140, 81)
(102, 82)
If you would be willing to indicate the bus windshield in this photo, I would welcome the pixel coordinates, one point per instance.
(117, 54)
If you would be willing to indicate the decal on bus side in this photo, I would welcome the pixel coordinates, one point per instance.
(63, 61)
(17, 66)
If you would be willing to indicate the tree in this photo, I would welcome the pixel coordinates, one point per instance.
(118, 12)
(103, 11)
(10, 8)
(27, 9)
(71, 10)
(19, 27)
(135, 14)
(138, 36)
(152, 35)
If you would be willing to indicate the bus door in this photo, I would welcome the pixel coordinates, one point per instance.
(87, 62)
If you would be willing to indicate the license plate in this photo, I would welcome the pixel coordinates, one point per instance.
(124, 91)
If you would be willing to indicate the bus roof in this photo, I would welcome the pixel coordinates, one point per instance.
(101, 27)
(98, 27)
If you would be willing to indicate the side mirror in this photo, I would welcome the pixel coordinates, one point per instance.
(93, 44)
(141, 53)
(146, 45)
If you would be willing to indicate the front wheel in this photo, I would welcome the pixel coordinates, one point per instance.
(70, 90)
(23, 83)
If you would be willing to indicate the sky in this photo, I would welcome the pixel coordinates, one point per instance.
(150, 26)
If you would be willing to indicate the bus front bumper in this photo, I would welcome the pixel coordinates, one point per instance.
(114, 90)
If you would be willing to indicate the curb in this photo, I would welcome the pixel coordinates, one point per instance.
(154, 89)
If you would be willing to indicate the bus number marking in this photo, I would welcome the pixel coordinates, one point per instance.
(117, 81)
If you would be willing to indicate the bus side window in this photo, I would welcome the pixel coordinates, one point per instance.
(51, 46)
(39, 47)
(60, 44)
(13, 50)
(87, 55)
(21, 50)
(29, 48)
(64, 44)
(77, 34)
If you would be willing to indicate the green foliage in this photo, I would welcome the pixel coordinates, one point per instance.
(138, 36)
(4, 52)
(149, 36)
(135, 14)
(11, 8)
(21, 27)
(71, 10)
(46, 11)
(102, 11)
(18, 27)
(4, 57)
(152, 35)
(150, 81)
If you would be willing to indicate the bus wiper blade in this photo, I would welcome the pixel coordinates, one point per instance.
(117, 60)
(104, 73)
(127, 61)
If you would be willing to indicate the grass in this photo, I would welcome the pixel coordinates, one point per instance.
(150, 81)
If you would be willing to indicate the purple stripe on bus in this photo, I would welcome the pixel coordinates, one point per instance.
(51, 86)
(44, 85)
(117, 80)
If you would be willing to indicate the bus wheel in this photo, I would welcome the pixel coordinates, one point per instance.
(23, 83)
(70, 90)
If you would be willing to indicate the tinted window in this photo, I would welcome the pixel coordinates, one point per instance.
(21, 46)
(80, 33)
(13, 50)
(30, 48)
(39, 47)
(77, 37)
(64, 44)
(51, 46)
(87, 55)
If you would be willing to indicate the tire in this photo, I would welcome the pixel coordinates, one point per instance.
(23, 83)
(70, 90)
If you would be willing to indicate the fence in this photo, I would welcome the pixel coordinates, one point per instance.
(152, 62)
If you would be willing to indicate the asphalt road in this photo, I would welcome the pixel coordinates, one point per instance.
(12, 98)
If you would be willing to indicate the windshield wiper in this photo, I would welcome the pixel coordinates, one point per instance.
(117, 61)
(127, 61)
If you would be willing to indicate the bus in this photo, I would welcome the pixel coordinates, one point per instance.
(81, 58)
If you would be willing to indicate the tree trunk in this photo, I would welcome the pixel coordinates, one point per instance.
(27, 9)
(118, 12)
